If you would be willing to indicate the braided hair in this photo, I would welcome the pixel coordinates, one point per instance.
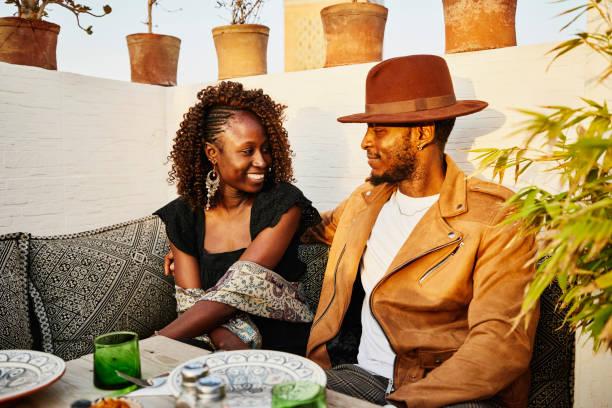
(206, 120)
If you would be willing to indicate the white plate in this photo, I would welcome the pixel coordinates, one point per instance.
(250, 374)
(23, 372)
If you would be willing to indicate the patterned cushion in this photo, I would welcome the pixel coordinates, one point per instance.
(15, 330)
(86, 284)
(315, 258)
(552, 365)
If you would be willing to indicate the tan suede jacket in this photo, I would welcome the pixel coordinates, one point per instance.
(447, 301)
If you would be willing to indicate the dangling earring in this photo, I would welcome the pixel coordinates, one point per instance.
(212, 184)
(420, 147)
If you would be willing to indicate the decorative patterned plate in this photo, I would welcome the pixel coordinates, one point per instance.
(250, 374)
(23, 372)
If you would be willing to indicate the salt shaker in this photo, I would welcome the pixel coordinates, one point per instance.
(190, 374)
(210, 392)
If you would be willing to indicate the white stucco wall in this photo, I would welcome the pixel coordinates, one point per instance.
(79, 152)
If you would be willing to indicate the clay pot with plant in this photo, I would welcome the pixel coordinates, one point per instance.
(153, 57)
(242, 48)
(26, 39)
(354, 32)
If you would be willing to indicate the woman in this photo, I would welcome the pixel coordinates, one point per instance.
(235, 228)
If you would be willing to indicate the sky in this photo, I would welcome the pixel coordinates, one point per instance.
(413, 27)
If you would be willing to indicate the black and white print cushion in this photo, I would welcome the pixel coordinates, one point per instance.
(83, 285)
(15, 329)
(552, 364)
(315, 258)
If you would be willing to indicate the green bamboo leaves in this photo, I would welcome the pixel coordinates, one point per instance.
(574, 223)
(600, 42)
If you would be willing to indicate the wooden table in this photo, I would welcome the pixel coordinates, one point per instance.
(157, 355)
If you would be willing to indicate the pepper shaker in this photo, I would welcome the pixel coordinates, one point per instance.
(190, 374)
(210, 393)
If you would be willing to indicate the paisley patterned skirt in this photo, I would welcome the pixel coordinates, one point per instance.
(254, 290)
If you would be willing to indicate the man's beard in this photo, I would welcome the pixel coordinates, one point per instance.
(403, 168)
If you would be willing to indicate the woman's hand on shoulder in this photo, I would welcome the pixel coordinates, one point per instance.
(169, 263)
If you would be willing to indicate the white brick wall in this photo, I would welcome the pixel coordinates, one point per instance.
(79, 152)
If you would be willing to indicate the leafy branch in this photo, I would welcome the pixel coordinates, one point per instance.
(37, 9)
(242, 10)
(574, 226)
(599, 42)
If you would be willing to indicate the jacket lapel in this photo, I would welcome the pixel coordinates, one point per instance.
(365, 218)
(429, 235)
(359, 232)
(433, 232)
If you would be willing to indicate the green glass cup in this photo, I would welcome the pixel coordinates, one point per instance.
(117, 351)
(299, 394)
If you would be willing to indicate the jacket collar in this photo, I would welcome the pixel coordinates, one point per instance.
(453, 194)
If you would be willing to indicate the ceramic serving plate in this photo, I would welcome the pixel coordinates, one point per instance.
(250, 374)
(23, 372)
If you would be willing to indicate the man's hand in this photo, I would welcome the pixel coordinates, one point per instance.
(169, 263)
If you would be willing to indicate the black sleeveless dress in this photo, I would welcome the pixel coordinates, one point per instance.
(185, 229)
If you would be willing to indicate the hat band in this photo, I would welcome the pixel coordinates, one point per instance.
(411, 105)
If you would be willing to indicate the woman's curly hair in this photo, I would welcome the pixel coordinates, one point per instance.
(203, 123)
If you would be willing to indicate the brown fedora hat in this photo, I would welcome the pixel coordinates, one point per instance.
(412, 89)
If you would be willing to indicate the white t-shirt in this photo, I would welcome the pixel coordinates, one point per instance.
(395, 222)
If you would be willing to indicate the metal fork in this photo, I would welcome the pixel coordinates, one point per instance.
(144, 382)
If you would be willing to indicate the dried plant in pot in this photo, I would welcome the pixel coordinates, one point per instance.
(26, 39)
(354, 32)
(242, 48)
(153, 57)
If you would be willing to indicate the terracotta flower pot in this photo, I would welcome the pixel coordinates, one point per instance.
(28, 42)
(154, 58)
(354, 33)
(242, 50)
(472, 25)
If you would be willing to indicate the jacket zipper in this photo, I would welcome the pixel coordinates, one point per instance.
(334, 292)
(390, 385)
(413, 259)
(439, 264)
(389, 389)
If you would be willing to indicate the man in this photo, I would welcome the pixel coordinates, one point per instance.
(420, 267)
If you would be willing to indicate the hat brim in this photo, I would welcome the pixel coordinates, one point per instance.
(460, 108)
